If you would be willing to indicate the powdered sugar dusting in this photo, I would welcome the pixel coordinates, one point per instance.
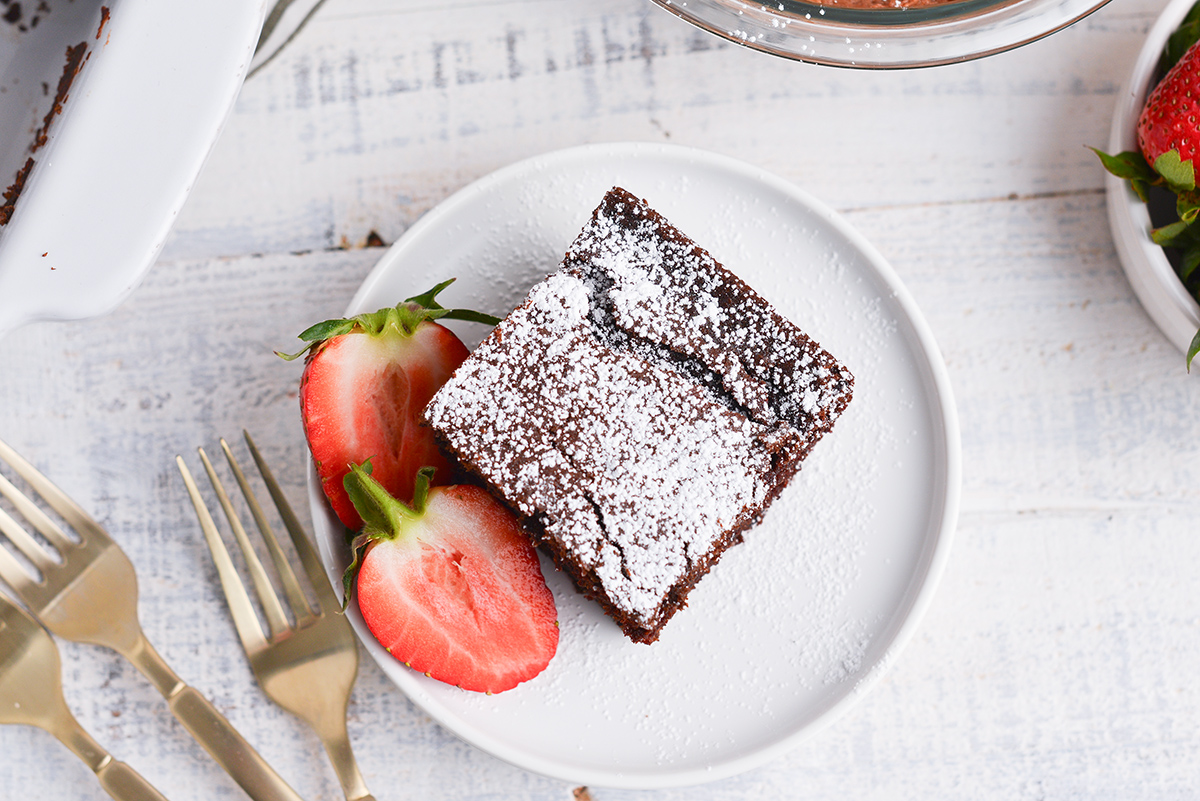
(604, 432)
(652, 283)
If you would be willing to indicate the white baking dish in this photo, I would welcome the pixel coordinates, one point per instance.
(155, 83)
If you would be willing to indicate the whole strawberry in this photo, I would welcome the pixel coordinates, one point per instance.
(450, 585)
(1170, 120)
(366, 380)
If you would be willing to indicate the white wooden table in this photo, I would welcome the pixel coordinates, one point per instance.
(1059, 659)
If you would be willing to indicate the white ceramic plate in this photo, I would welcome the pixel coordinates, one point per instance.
(795, 625)
(156, 86)
(1152, 277)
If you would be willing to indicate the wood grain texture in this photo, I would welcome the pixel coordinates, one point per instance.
(1059, 656)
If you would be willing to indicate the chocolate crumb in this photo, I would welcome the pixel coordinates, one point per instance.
(13, 191)
(75, 58)
(70, 70)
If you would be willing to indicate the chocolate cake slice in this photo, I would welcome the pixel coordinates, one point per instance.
(639, 411)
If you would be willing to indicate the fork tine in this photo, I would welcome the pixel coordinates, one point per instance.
(11, 571)
(296, 599)
(277, 621)
(83, 523)
(34, 514)
(244, 618)
(304, 548)
(24, 543)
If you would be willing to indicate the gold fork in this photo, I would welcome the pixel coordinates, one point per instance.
(307, 668)
(89, 594)
(31, 694)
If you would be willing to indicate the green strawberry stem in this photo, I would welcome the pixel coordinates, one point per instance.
(1133, 167)
(384, 517)
(403, 318)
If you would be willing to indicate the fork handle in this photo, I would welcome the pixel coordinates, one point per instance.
(118, 779)
(228, 747)
(210, 728)
(332, 731)
(126, 784)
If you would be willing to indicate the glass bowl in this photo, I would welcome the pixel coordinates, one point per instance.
(882, 34)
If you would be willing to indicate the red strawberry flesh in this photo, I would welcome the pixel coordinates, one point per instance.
(455, 590)
(360, 397)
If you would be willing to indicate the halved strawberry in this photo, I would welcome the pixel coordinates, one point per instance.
(365, 382)
(451, 586)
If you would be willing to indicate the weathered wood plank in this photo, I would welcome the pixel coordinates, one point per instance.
(365, 125)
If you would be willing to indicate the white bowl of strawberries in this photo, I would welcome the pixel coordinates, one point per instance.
(1152, 196)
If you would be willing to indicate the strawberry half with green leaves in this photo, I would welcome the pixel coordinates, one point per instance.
(366, 380)
(451, 586)
(1168, 134)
